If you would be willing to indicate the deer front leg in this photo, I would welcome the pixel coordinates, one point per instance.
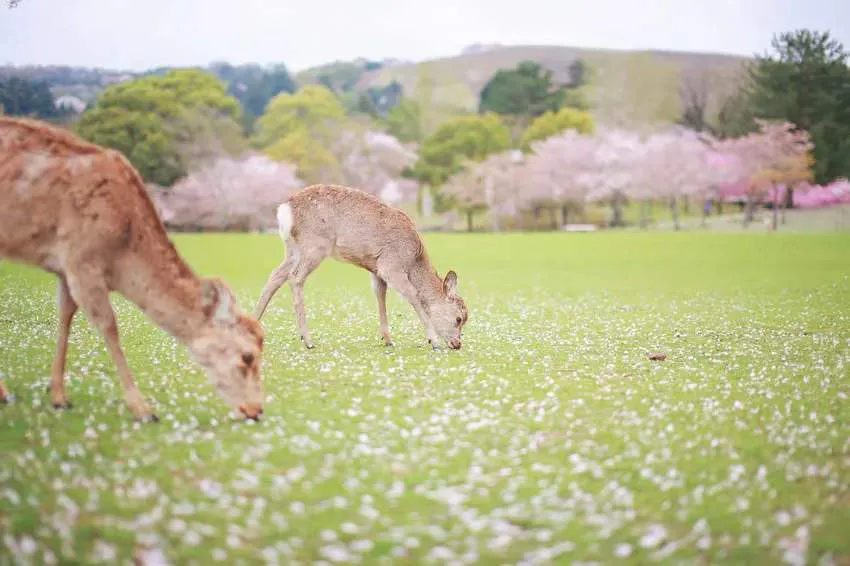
(67, 308)
(94, 300)
(405, 288)
(379, 286)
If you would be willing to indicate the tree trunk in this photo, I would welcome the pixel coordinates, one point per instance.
(749, 209)
(554, 215)
(686, 204)
(469, 220)
(705, 213)
(644, 214)
(787, 203)
(674, 208)
(565, 211)
(616, 210)
(775, 222)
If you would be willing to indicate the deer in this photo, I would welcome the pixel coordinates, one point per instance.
(353, 226)
(81, 212)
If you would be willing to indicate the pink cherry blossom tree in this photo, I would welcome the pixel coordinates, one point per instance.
(613, 171)
(676, 166)
(561, 171)
(374, 162)
(227, 194)
(491, 184)
(776, 156)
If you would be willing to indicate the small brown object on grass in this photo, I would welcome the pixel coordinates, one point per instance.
(658, 356)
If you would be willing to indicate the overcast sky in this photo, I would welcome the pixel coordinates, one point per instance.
(139, 34)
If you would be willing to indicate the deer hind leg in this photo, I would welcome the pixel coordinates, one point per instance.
(277, 278)
(405, 288)
(380, 288)
(67, 309)
(308, 260)
(93, 298)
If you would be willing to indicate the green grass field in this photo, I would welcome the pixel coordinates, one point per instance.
(550, 437)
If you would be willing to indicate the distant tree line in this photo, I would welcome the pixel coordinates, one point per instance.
(165, 120)
(804, 79)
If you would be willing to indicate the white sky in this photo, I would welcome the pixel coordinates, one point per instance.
(139, 34)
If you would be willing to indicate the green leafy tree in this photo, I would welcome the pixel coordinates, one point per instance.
(805, 79)
(254, 86)
(528, 90)
(470, 137)
(735, 117)
(308, 154)
(298, 128)
(379, 101)
(578, 73)
(552, 123)
(141, 136)
(22, 97)
(162, 123)
(313, 107)
(405, 121)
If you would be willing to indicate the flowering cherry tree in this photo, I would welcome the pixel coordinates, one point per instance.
(561, 171)
(228, 194)
(776, 156)
(491, 184)
(672, 165)
(676, 165)
(614, 170)
(374, 161)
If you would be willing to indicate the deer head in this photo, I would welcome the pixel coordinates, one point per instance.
(448, 313)
(229, 346)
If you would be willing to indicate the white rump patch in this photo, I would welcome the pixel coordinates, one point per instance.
(284, 220)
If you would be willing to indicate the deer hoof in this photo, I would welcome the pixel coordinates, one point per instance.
(62, 406)
(8, 399)
(150, 418)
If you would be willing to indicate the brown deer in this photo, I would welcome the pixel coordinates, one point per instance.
(353, 226)
(81, 212)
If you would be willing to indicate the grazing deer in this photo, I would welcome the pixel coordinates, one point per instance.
(355, 227)
(81, 212)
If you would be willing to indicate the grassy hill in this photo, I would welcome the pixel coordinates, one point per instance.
(626, 87)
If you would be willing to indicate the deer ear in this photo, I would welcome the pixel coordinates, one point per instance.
(450, 284)
(217, 300)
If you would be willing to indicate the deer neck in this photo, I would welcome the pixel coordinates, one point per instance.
(429, 286)
(163, 286)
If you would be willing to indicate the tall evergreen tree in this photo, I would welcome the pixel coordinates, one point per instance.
(805, 80)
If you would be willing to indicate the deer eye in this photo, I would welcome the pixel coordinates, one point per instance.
(458, 320)
(248, 358)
